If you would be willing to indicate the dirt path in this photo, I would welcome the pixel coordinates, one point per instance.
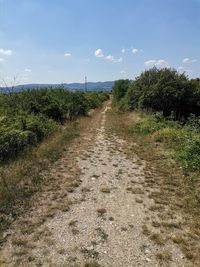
(92, 210)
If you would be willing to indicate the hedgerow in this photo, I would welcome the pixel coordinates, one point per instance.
(26, 118)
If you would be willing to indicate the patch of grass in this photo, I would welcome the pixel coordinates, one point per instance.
(172, 224)
(139, 200)
(101, 211)
(19, 252)
(178, 238)
(75, 231)
(49, 241)
(91, 264)
(20, 242)
(102, 234)
(85, 189)
(21, 178)
(164, 256)
(145, 230)
(155, 224)
(156, 208)
(158, 239)
(73, 223)
(149, 124)
(61, 251)
(90, 253)
(105, 190)
(137, 190)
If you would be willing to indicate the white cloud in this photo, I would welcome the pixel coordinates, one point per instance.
(27, 70)
(185, 60)
(67, 55)
(5, 52)
(150, 62)
(112, 59)
(161, 62)
(99, 53)
(132, 49)
(135, 50)
(188, 60)
(2, 60)
(122, 72)
(157, 63)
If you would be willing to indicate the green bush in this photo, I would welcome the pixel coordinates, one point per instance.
(95, 99)
(189, 154)
(183, 139)
(26, 118)
(150, 124)
(173, 137)
(120, 88)
(13, 141)
(22, 131)
(163, 90)
(40, 126)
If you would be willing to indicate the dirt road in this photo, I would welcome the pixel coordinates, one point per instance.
(91, 211)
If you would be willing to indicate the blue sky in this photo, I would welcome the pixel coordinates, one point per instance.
(54, 41)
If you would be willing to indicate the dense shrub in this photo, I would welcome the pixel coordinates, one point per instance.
(95, 99)
(150, 124)
(22, 131)
(164, 90)
(120, 88)
(189, 154)
(13, 141)
(173, 137)
(30, 116)
(183, 139)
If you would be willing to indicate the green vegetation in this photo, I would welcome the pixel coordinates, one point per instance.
(28, 117)
(32, 138)
(172, 105)
(163, 90)
(183, 139)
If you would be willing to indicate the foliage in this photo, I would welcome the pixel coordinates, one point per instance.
(183, 139)
(120, 88)
(149, 124)
(26, 118)
(164, 90)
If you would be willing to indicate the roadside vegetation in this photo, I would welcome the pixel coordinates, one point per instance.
(169, 106)
(164, 130)
(35, 127)
(28, 117)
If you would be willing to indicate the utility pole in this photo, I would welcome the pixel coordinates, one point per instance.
(85, 83)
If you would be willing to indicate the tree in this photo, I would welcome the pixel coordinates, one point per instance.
(120, 88)
(165, 90)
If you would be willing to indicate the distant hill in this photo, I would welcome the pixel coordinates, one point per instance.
(91, 86)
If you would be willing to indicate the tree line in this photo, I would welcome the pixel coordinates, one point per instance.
(163, 90)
